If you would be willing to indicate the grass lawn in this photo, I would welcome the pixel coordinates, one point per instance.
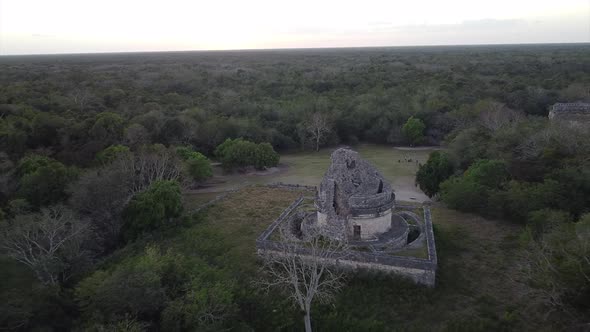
(309, 167)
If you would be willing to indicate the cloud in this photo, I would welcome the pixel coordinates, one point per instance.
(482, 24)
(40, 35)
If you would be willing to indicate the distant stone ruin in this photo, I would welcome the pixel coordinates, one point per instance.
(356, 204)
(576, 113)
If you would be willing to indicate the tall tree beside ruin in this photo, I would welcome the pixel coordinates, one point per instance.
(318, 127)
(305, 277)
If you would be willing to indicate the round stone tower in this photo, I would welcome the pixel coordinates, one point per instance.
(354, 200)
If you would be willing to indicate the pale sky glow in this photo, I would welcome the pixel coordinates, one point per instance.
(64, 26)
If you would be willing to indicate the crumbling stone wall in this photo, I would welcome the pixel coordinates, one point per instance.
(420, 270)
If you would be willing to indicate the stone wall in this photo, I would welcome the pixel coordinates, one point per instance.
(420, 270)
(367, 201)
(371, 225)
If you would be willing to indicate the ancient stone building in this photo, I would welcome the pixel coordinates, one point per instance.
(356, 205)
(354, 200)
(571, 112)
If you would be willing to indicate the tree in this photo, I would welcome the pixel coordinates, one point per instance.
(152, 208)
(437, 169)
(413, 131)
(149, 164)
(318, 127)
(240, 153)
(45, 129)
(101, 194)
(108, 127)
(136, 135)
(111, 153)
(43, 180)
(198, 166)
(471, 191)
(80, 97)
(556, 265)
(309, 276)
(180, 292)
(494, 115)
(51, 243)
(265, 156)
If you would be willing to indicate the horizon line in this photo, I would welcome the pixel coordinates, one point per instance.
(291, 48)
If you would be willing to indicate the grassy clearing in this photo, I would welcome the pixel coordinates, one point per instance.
(474, 290)
(192, 201)
(309, 167)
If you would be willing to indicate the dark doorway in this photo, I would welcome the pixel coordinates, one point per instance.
(356, 232)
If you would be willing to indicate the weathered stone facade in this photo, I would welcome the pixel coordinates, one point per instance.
(578, 113)
(354, 200)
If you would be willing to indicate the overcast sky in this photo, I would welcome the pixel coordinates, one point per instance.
(64, 26)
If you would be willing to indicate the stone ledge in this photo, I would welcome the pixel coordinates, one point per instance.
(420, 270)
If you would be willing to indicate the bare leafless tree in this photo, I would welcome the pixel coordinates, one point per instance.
(81, 98)
(149, 165)
(318, 127)
(571, 140)
(495, 115)
(46, 242)
(308, 270)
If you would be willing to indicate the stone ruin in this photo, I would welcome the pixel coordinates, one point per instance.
(354, 201)
(575, 113)
(356, 204)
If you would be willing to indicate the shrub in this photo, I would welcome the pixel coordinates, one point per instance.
(265, 156)
(153, 208)
(197, 165)
(240, 153)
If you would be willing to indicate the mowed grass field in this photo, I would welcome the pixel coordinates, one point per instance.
(399, 166)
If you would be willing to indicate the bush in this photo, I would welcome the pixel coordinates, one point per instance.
(197, 165)
(239, 153)
(153, 208)
(437, 169)
(472, 191)
(265, 156)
